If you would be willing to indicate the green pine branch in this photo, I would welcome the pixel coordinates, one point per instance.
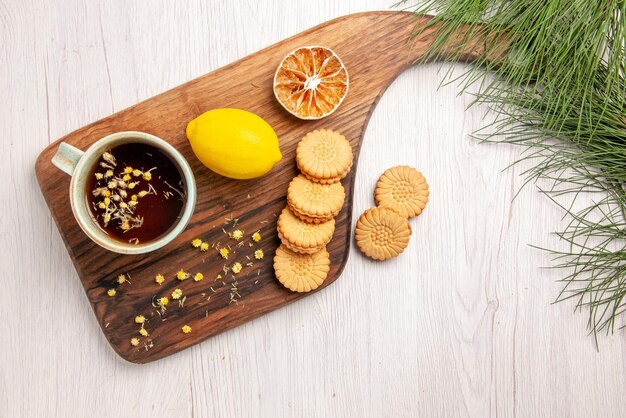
(559, 91)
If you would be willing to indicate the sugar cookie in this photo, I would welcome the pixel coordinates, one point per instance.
(324, 156)
(303, 237)
(403, 189)
(301, 272)
(314, 202)
(382, 233)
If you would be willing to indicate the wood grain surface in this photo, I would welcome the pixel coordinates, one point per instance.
(374, 49)
(461, 325)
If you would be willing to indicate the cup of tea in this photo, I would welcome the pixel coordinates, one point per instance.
(130, 192)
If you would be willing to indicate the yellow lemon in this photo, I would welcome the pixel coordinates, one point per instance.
(234, 143)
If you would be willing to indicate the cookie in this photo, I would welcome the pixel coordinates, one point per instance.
(301, 272)
(382, 233)
(403, 189)
(310, 219)
(314, 202)
(324, 156)
(303, 237)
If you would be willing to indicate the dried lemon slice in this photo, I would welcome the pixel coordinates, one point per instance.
(311, 82)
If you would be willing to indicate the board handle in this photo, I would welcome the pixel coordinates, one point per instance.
(67, 157)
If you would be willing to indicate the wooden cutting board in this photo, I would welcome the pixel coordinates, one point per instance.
(374, 49)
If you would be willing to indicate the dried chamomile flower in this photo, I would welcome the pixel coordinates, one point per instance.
(182, 275)
(128, 170)
(204, 246)
(186, 329)
(108, 173)
(164, 301)
(99, 176)
(109, 158)
(236, 268)
(136, 173)
(258, 254)
(176, 294)
(224, 253)
(159, 278)
(143, 193)
(147, 176)
(99, 191)
(134, 342)
(140, 319)
(198, 276)
(122, 279)
(111, 292)
(237, 234)
(143, 332)
(126, 177)
(196, 243)
(132, 184)
(256, 237)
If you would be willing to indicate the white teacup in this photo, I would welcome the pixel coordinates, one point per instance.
(78, 164)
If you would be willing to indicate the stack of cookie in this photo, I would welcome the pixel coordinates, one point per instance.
(314, 198)
(383, 232)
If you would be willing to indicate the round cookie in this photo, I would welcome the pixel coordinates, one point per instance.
(301, 272)
(403, 189)
(381, 233)
(303, 237)
(324, 156)
(314, 202)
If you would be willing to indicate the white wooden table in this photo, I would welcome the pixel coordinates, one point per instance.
(460, 325)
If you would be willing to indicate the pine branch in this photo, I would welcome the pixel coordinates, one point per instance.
(560, 92)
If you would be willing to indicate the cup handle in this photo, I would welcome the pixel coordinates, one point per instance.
(66, 158)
